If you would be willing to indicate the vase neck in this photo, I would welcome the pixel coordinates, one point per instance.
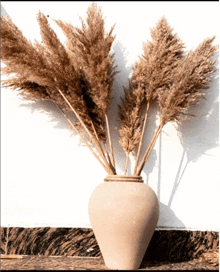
(123, 178)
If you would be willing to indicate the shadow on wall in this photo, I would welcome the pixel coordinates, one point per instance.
(200, 133)
(121, 79)
(59, 121)
(168, 219)
(3, 12)
(193, 133)
(51, 110)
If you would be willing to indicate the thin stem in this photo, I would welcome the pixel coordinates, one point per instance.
(84, 140)
(142, 137)
(109, 159)
(97, 137)
(86, 129)
(149, 149)
(110, 141)
(126, 164)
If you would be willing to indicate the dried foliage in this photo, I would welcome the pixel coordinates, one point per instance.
(21, 58)
(171, 77)
(160, 57)
(78, 77)
(130, 119)
(190, 77)
(90, 45)
(151, 72)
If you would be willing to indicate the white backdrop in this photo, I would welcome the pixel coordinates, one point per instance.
(47, 174)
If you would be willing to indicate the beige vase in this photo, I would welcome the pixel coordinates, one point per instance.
(123, 213)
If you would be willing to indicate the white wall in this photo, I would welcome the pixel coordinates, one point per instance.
(47, 172)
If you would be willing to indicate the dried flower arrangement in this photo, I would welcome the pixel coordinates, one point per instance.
(78, 78)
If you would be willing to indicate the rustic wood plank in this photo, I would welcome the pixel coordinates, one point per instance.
(3, 256)
(171, 246)
(91, 263)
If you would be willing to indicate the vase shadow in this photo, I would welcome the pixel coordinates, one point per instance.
(168, 219)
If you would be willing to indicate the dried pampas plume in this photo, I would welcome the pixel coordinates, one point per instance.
(91, 44)
(151, 72)
(190, 77)
(167, 75)
(78, 77)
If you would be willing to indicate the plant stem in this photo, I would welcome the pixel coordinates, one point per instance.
(109, 160)
(110, 141)
(97, 138)
(84, 140)
(142, 137)
(86, 129)
(126, 164)
(98, 141)
(149, 149)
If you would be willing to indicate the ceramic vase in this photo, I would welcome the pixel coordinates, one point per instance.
(123, 212)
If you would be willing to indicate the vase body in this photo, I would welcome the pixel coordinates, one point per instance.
(123, 212)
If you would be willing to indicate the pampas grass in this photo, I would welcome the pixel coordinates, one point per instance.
(78, 77)
(50, 71)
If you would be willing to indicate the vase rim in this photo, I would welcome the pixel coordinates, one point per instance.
(123, 178)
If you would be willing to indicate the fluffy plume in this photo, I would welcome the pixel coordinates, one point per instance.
(93, 46)
(160, 57)
(41, 69)
(152, 71)
(20, 57)
(129, 116)
(166, 74)
(51, 71)
(68, 80)
(31, 90)
(90, 47)
(190, 77)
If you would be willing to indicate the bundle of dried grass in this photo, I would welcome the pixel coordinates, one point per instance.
(165, 74)
(130, 119)
(66, 76)
(151, 72)
(160, 57)
(92, 45)
(78, 77)
(189, 79)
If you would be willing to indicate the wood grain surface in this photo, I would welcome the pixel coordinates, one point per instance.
(166, 247)
(92, 263)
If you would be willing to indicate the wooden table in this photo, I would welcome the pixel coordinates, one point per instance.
(34, 262)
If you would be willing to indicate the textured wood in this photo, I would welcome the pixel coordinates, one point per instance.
(86, 263)
(179, 246)
(9, 256)
(165, 246)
